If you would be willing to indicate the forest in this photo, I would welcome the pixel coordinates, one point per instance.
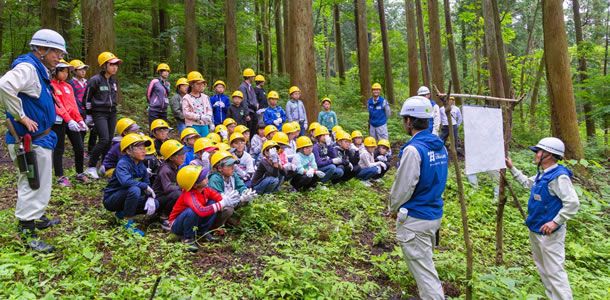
(551, 56)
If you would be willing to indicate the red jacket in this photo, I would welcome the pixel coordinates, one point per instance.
(65, 103)
(197, 202)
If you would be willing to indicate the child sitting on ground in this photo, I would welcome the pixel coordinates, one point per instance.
(159, 130)
(245, 167)
(151, 160)
(256, 144)
(307, 173)
(199, 208)
(224, 178)
(222, 131)
(292, 132)
(165, 185)
(267, 176)
(204, 148)
(326, 158)
(357, 139)
(383, 153)
(349, 158)
(124, 127)
(129, 191)
(286, 166)
(368, 166)
(245, 131)
(230, 124)
(310, 130)
(188, 136)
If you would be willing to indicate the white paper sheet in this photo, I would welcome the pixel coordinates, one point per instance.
(483, 139)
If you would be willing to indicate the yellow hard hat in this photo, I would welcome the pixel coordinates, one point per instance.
(131, 139)
(123, 124)
(220, 128)
(158, 123)
(78, 64)
(187, 132)
(269, 129)
(320, 131)
(107, 57)
(384, 142)
(229, 121)
(181, 81)
(236, 136)
(249, 73)
(170, 147)
(150, 149)
(337, 128)
(370, 141)
(217, 82)
(219, 156)
(237, 94)
(194, 76)
(376, 86)
(293, 89)
(356, 134)
(188, 175)
(223, 147)
(281, 138)
(273, 95)
(259, 78)
(269, 144)
(202, 144)
(289, 127)
(215, 137)
(297, 125)
(241, 129)
(342, 135)
(162, 67)
(326, 99)
(303, 141)
(313, 126)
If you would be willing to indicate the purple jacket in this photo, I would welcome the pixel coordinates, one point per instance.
(323, 154)
(158, 95)
(112, 157)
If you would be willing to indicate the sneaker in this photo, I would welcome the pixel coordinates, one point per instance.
(210, 238)
(82, 178)
(92, 173)
(27, 233)
(44, 222)
(165, 225)
(131, 227)
(367, 183)
(63, 181)
(191, 245)
(323, 187)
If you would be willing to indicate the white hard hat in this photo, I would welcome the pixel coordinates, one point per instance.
(550, 144)
(48, 38)
(417, 107)
(423, 90)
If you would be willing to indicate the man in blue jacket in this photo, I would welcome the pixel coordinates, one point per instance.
(416, 195)
(158, 94)
(379, 112)
(27, 99)
(553, 201)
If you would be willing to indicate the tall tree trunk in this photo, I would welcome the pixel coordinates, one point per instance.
(97, 16)
(259, 37)
(605, 72)
(66, 21)
(363, 50)
(154, 18)
(501, 52)
(266, 32)
(558, 75)
(412, 47)
(338, 43)
(279, 37)
(2, 28)
(389, 83)
(464, 53)
(582, 69)
(528, 47)
(303, 56)
(287, 45)
(326, 48)
(455, 78)
(49, 14)
(190, 36)
(535, 92)
(231, 53)
(436, 53)
(165, 40)
(423, 52)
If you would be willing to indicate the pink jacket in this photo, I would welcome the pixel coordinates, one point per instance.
(65, 103)
(197, 111)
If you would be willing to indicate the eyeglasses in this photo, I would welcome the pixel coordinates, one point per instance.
(138, 148)
(58, 52)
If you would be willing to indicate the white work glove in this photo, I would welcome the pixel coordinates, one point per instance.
(310, 173)
(378, 169)
(247, 196)
(382, 158)
(73, 126)
(150, 192)
(261, 111)
(320, 174)
(83, 126)
(383, 165)
(277, 122)
(328, 141)
(150, 206)
(89, 120)
(289, 167)
(88, 105)
(230, 199)
(150, 172)
(273, 155)
(337, 160)
(206, 119)
(351, 167)
(224, 134)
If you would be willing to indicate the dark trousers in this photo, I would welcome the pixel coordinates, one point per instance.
(188, 224)
(130, 201)
(104, 124)
(302, 182)
(167, 202)
(92, 139)
(61, 130)
(445, 133)
(153, 115)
